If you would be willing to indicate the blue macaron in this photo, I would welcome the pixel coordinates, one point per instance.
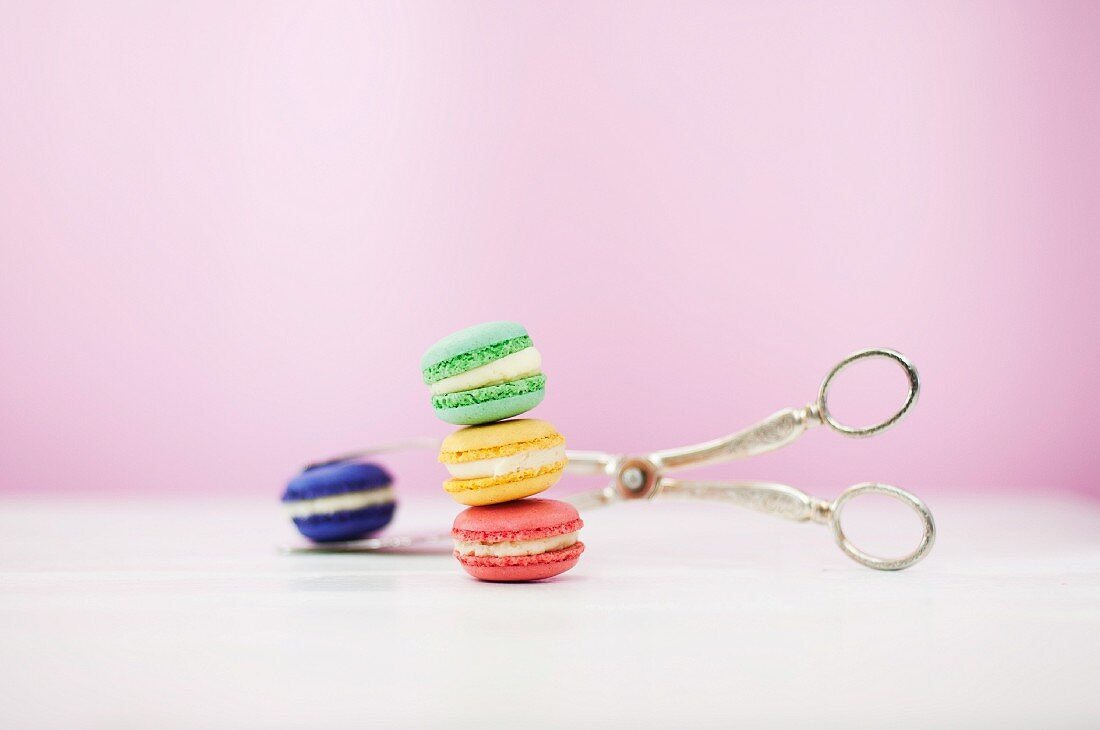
(341, 501)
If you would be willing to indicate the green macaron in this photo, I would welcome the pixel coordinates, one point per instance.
(484, 373)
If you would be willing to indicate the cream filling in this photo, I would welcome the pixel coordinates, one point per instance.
(339, 503)
(522, 364)
(502, 465)
(518, 547)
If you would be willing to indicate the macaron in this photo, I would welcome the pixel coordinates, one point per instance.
(530, 539)
(502, 461)
(342, 501)
(484, 373)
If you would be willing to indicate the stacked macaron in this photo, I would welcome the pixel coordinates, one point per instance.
(484, 373)
(478, 377)
(529, 539)
(503, 461)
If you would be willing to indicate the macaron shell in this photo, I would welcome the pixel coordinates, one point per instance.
(339, 478)
(470, 339)
(495, 439)
(491, 410)
(530, 519)
(344, 526)
(522, 568)
(502, 492)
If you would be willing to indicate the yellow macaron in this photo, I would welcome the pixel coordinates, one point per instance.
(502, 461)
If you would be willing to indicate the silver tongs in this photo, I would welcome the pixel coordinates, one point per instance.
(644, 477)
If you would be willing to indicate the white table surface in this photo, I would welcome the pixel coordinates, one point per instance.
(129, 613)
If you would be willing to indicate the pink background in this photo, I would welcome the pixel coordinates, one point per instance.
(230, 230)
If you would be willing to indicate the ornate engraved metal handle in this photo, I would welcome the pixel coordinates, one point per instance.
(774, 432)
(782, 428)
(439, 543)
(794, 504)
(772, 499)
(426, 442)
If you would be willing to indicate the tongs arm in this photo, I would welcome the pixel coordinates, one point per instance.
(774, 432)
(590, 462)
(793, 504)
(780, 429)
(594, 498)
(766, 497)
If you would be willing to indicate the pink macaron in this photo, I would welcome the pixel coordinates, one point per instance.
(528, 539)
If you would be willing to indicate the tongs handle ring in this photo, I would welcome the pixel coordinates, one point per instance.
(864, 431)
(871, 561)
